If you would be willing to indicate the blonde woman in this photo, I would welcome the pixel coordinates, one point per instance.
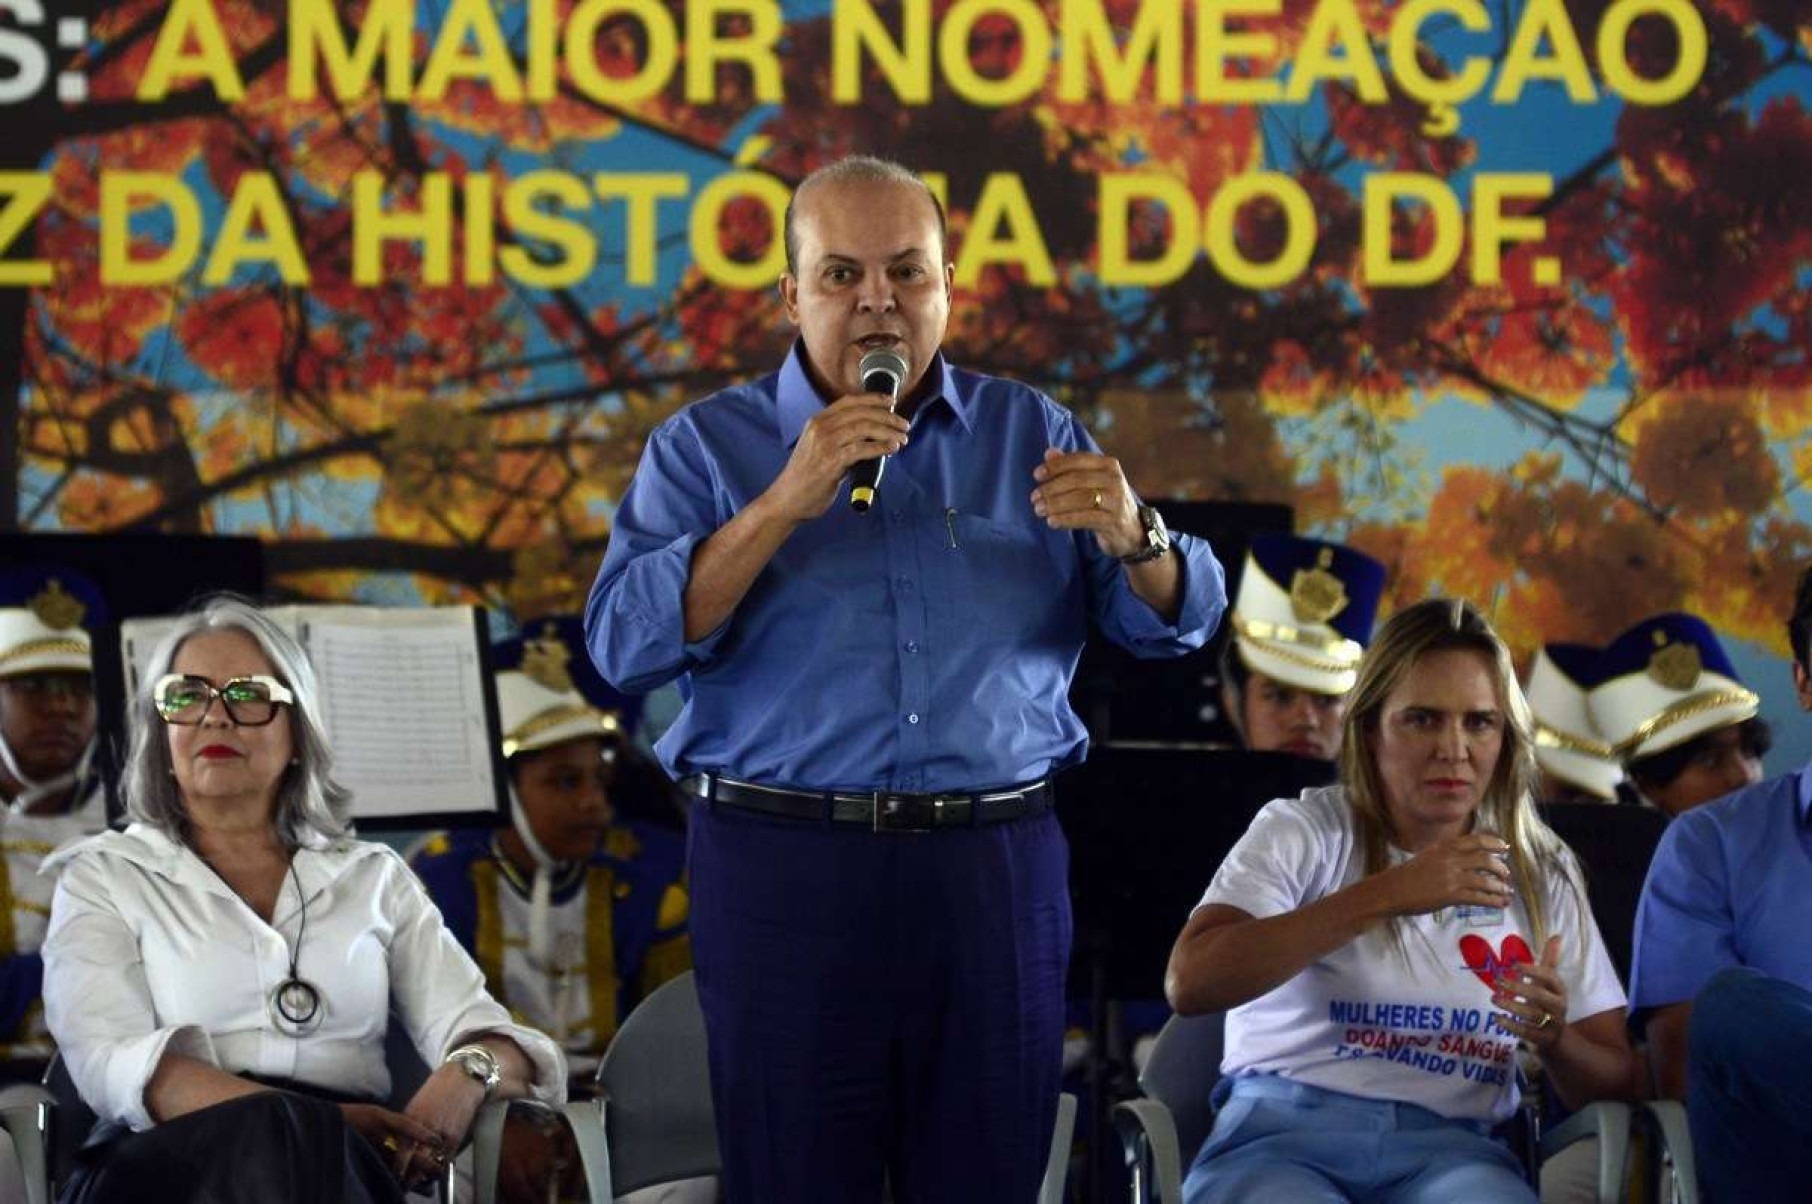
(1383, 944)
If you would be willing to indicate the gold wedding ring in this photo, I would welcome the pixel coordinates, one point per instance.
(1547, 1018)
(389, 1142)
(1097, 499)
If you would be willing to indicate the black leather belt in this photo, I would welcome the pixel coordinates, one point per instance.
(881, 810)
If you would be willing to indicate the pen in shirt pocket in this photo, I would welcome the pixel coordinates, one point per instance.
(950, 524)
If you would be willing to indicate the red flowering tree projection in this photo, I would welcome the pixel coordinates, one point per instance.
(467, 409)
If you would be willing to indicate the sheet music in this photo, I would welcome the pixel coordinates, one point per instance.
(405, 713)
(403, 698)
(139, 638)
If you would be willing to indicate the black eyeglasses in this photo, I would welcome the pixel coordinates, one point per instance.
(249, 701)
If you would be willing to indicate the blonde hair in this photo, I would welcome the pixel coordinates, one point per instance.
(1508, 806)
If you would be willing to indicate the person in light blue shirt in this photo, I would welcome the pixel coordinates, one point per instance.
(1722, 973)
(872, 705)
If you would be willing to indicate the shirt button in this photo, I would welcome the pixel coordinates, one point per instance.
(913, 718)
(905, 585)
(912, 645)
(899, 516)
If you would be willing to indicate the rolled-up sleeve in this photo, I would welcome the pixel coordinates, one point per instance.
(635, 618)
(1127, 619)
(97, 1002)
(440, 992)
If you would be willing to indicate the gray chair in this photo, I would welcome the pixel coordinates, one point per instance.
(1166, 1127)
(1672, 1171)
(25, 1115)
(652, 1121)
(47, 1124)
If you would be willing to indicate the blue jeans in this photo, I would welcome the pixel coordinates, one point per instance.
(1278, 1142)
(1749, 1088)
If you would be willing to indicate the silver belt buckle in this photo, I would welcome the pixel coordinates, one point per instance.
(898, 812)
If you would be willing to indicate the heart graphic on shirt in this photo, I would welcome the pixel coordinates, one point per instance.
(1493, 964)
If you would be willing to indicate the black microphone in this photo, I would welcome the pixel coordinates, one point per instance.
(882, 371)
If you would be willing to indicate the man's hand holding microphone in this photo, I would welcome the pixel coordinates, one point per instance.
(850, 437)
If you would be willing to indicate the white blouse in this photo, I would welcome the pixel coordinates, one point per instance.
(149, 949)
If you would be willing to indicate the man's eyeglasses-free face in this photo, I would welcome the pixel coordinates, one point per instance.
(249, 701)
(42, 687)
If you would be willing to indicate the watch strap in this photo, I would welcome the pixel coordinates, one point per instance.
(1145, 554)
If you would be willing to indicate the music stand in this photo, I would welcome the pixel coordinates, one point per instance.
(1614, 843)
(1147, 828)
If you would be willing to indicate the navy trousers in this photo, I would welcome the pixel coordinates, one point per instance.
(881, 1006)
(1749, 1088)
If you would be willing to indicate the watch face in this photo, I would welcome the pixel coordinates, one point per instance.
(1155, 530)
(480, 1064)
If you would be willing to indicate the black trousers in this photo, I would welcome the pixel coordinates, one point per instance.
(271, 1147)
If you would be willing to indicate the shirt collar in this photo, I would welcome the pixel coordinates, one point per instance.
(796, 398)
(1802, 794)
(148, 847)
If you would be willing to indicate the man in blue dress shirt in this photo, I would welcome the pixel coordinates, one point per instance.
(1722, 973)
(872, 705)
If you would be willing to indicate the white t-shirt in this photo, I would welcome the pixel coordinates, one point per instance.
(1414, 1025)
(149, 949)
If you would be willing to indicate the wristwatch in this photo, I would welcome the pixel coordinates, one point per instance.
(480, 1063)
(1157, 537)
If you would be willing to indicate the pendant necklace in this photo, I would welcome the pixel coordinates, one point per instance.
(296, 1005)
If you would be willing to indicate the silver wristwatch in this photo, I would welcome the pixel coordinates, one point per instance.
(1157, 537)
(480, 1063)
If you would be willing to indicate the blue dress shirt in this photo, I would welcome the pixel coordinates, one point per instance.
(925, 645)
(1730, 885)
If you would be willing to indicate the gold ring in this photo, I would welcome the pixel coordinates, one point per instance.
(1097, 499)
(389, 1142)
(1547, 1018)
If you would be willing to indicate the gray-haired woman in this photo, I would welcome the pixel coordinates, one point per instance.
(220, 975)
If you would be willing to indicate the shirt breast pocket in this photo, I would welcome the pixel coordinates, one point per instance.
(1007, 578)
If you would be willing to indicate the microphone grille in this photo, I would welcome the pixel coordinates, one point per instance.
(888, 363)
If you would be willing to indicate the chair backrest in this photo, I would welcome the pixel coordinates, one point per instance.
(1184, 1066)
(655, 1086)
(1614, 844)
